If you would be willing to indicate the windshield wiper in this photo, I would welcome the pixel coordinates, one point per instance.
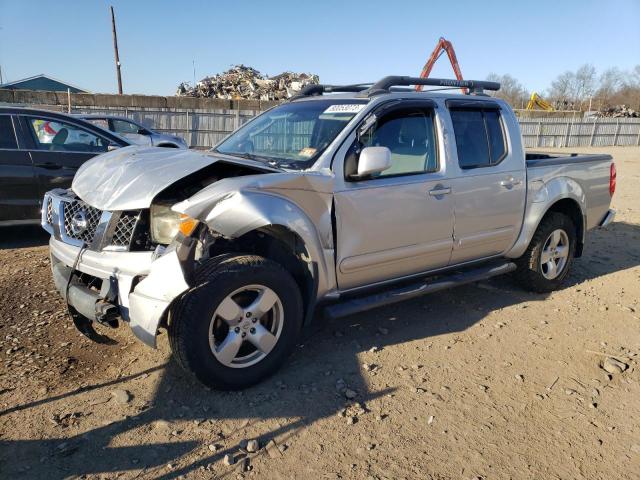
(251, 156)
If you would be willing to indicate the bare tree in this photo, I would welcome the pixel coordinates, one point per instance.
(511, 89)
(634, 77)
(585, 83)
(611, 81)
(562, 88)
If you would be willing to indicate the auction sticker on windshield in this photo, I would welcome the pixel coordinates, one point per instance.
(346, 108)
(307, 152)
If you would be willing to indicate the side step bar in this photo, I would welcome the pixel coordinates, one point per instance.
(441, 282)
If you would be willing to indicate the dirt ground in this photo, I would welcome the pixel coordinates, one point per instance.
(485, 381)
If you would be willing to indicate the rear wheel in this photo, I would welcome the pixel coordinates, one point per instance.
(239, 323)
(547, 261)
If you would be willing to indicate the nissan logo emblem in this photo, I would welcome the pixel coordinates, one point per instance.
(79, 222)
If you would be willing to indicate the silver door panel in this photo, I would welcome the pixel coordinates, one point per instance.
(391, 229)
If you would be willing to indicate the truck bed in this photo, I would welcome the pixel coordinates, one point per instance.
(542, 159)
(589, 171)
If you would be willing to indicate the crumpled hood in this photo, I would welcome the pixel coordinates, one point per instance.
(129, 178)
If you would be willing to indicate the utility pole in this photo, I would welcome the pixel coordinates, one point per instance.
(115, 48)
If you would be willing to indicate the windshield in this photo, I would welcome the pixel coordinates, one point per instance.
(292, 135)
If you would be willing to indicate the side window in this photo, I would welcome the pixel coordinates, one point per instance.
(479, 137)
(124, 127)
(410, 136)
(7, 135)
(100, 122)
(496, 136)
(57, 136)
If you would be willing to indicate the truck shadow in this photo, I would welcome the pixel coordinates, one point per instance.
(176, 423)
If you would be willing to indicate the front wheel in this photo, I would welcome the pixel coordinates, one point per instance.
(239, 323)
(546, 263)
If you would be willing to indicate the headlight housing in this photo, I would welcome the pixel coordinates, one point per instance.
(165, 224)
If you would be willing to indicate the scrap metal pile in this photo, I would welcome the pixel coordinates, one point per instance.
(246, 82)
(619, 111)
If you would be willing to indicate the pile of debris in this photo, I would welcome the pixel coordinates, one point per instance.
(619, 111)
(246, 82)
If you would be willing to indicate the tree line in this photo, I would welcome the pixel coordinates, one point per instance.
(582, 89)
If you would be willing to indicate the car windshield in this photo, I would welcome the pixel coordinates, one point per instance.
(292, 135)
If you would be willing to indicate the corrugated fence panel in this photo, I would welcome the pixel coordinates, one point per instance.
(205, 128)
(567, 132)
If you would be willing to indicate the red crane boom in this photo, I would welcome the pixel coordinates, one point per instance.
(442, 46)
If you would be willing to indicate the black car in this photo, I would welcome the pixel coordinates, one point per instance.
(41, 150)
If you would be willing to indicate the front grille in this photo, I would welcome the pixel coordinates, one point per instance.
(79, 223)
(80, 220)
(123, 234)
(49, 211)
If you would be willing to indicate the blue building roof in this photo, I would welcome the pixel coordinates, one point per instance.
(44, 83)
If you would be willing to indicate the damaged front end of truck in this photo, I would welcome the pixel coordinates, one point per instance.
(130, 260)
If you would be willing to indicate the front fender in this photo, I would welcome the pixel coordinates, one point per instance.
(244, 211)
(541, 196)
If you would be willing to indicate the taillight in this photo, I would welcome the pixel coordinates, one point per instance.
(612, 179)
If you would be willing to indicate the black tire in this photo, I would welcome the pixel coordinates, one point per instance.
(529, 273)
(189, 322)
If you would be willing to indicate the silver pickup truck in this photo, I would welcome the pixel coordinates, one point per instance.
(341, 200)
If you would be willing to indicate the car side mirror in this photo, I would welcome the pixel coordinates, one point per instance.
(143, 131)
(373, 160)
(112, 146)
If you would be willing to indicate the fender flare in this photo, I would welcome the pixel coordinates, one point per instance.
(543, 197)
(245, 211)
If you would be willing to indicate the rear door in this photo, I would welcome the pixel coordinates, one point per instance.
(58, 148)
(19, 194)
(489, 186)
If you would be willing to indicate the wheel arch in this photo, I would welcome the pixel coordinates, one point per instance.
(571, 208)
(563, 195)
(285, 247)
(277, 228)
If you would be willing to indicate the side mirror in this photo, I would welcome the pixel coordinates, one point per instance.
(373, 160)
(143, 131)
(112, 146)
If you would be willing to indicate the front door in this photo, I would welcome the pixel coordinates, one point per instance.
(489, 187)
(399, 222)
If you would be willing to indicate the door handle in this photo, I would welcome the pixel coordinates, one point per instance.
(49, 165)
(510, 182)
(440, 190)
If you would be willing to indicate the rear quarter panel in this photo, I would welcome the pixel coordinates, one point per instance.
(584, 181)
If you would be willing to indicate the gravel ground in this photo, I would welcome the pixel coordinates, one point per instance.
(484, 381)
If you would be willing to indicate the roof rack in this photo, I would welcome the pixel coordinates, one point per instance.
(473, 86)
(386, 85)
(318, 89)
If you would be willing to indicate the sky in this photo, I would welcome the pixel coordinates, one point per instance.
(342, 41)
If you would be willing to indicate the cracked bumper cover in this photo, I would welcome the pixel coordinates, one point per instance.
(167, 279)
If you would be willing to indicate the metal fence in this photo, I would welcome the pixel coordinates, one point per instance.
(205, 128)
(200, 128)
(581, 132)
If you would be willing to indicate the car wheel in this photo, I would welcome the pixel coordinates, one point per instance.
(547, 261)
(239, 322)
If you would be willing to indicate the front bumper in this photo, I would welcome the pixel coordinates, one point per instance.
(123, 267)
(141, 285)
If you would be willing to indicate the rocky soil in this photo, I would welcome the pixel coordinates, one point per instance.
(485, 381)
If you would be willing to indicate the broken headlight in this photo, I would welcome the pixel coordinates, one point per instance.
(165, 224)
